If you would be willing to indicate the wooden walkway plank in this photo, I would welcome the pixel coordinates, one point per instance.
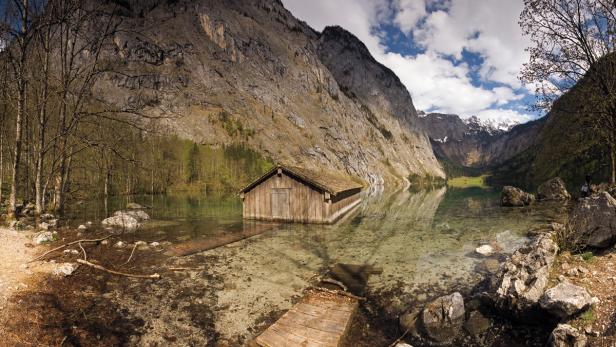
(319, 320)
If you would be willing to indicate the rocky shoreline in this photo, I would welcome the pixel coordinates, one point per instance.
(541, 288)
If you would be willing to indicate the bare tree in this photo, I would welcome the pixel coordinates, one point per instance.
(571, 38)
(20, 38)
(84, 31)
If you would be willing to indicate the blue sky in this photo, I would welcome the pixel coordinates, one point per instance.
(454, 56)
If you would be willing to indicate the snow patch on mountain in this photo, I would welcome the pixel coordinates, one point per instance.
(492, 125)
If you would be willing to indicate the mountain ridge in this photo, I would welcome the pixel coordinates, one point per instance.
(249, 72)
(470, 143)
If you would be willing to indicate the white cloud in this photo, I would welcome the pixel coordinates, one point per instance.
(487, 28)
(409, 12)
(437, 84)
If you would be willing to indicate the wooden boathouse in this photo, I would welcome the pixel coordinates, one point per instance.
(293, 194)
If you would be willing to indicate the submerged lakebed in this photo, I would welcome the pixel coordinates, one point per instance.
(420, 244)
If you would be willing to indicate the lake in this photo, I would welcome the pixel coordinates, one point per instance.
(419, 244)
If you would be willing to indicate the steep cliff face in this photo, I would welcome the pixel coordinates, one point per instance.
(469, 143)
(247, 71)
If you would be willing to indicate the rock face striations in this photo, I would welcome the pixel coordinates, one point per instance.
(248, 72)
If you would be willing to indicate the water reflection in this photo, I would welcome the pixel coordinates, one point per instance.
(423, 241)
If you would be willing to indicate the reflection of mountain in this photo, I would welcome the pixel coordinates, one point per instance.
(402, 209)
(468, 202)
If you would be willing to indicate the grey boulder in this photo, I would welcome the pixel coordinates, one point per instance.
(593, 222)
(128, 219)
(512, 196)
(553, 189)
(565, 300)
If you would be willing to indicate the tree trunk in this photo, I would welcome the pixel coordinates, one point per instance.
(58, 199)
(106, 191)
(21, 110)
(42, 123)
(613, 164)
(21, 105)
(38, 184)
(1, 158)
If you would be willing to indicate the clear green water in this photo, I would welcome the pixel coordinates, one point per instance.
(423, 241)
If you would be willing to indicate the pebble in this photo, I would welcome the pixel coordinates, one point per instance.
(120, 244)
(485, 250)
(154, 244)
(105, 242)
(141, 243)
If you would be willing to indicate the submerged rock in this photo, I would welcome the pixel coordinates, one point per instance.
(490, 266)
(565, 300)
(522, 279)
(137, 214)
(124, 221)
(564, 335)
(135, 206)
(512, 196)
(553, 189)
(476, 323)
(442, 319)
(485, 250)
(593, 222)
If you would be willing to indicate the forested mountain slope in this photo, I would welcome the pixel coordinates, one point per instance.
(566, 146)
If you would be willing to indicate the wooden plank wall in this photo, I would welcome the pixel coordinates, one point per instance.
(306, 204)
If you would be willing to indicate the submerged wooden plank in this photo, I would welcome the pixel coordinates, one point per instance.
(319, 319)
(200, 245)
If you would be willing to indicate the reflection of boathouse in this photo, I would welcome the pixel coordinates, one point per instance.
(300, 195)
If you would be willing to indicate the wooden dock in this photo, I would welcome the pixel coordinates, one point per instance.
(318, 320)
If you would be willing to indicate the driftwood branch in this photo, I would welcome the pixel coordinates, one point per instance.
(98, 267)
(85, 255)
(131, 255)
(66, 245)
(337, 283)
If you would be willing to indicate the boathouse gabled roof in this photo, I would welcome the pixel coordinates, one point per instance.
(321, 180)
